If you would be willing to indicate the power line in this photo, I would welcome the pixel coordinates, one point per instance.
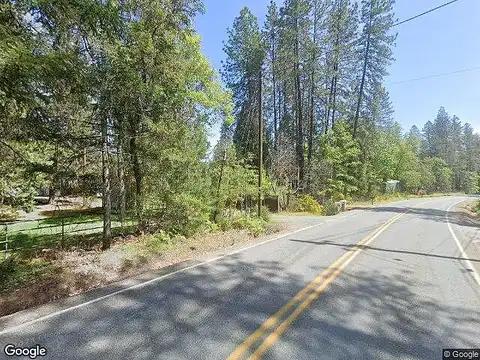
(424, 13)
(434, 76)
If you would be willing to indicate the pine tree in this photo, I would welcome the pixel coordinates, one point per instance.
(241, 72)
(375, 51)
(341, 60)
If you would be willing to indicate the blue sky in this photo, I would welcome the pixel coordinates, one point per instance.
(444, 41)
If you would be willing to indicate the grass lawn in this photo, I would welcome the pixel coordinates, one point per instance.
(76, 226)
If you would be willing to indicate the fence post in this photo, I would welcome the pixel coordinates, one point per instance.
(63, 233)
(6, 241)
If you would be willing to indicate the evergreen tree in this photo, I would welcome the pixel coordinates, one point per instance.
(242, 72)
(375, 52)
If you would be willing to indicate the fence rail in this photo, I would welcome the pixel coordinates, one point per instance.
(29, 236)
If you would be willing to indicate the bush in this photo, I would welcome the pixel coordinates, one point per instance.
(184, 214)
(8, 213)
(330, 208)
(158, 242)
(15, 272)
(338, 196)
(293, 204)
(265, 214)
(309, 204)
(255, 226)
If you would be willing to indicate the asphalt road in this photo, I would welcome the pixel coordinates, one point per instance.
(405, 292)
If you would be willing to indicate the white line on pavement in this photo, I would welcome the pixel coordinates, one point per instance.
(462, 250)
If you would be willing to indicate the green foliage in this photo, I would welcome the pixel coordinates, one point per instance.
(254, 225)
(437, 176)
(241, 71)
(330, 208)
(8, 213)
(306, 203)
(15, 272)
(158, 242)
(63, 79)
(342, 153)
(471, 183)
(265, 214)
(238, 182)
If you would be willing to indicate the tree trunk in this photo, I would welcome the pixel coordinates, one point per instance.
(274, 85)
(299, 115)
(364, 72)
(311, 132)
(335, 76)
(260, 142)
(334, 105)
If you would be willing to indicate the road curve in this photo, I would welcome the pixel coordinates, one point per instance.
(380, 283)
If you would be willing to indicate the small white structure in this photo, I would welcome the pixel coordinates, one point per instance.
(391, 186)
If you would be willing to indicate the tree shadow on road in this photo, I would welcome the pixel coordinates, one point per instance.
(367, 247)
(368, 315)
(205, 312)
(438, 215)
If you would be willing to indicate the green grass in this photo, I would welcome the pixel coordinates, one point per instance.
(15, 272)
(477, 208)
(81, 229)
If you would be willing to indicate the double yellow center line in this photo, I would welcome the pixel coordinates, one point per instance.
(302, 301)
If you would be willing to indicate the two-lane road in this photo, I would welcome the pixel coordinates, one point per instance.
(382, 283)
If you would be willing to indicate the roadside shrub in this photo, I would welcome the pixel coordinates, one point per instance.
(330, 208)
(338, 196)
(254, 225)
(211, 227)
(185, 214)
(293, 204)
(309, 204)
(8, 213)
(265, 214)
(158, 242)
(15, 272)
(224, 223)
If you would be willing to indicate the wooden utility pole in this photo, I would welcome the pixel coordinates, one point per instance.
(121, 175)
(106, 198)
(260, 142)
(222, 165)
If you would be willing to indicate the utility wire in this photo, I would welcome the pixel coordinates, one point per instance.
(424, 13)
(434, 76)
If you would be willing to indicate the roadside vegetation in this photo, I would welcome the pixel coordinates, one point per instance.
(114, 100)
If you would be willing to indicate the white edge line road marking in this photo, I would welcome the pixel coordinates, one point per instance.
(474, 272)
(143, 284)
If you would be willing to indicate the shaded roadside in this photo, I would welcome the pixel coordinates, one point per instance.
(58, 274)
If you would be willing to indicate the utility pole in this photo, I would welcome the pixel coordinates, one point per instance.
(106, 196)
(222, 165)
(260, 142)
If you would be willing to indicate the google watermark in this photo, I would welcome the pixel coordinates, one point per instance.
(32, 352)
(470, 354)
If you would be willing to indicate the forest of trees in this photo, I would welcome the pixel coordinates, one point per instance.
(329, 123)
(115, 97)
